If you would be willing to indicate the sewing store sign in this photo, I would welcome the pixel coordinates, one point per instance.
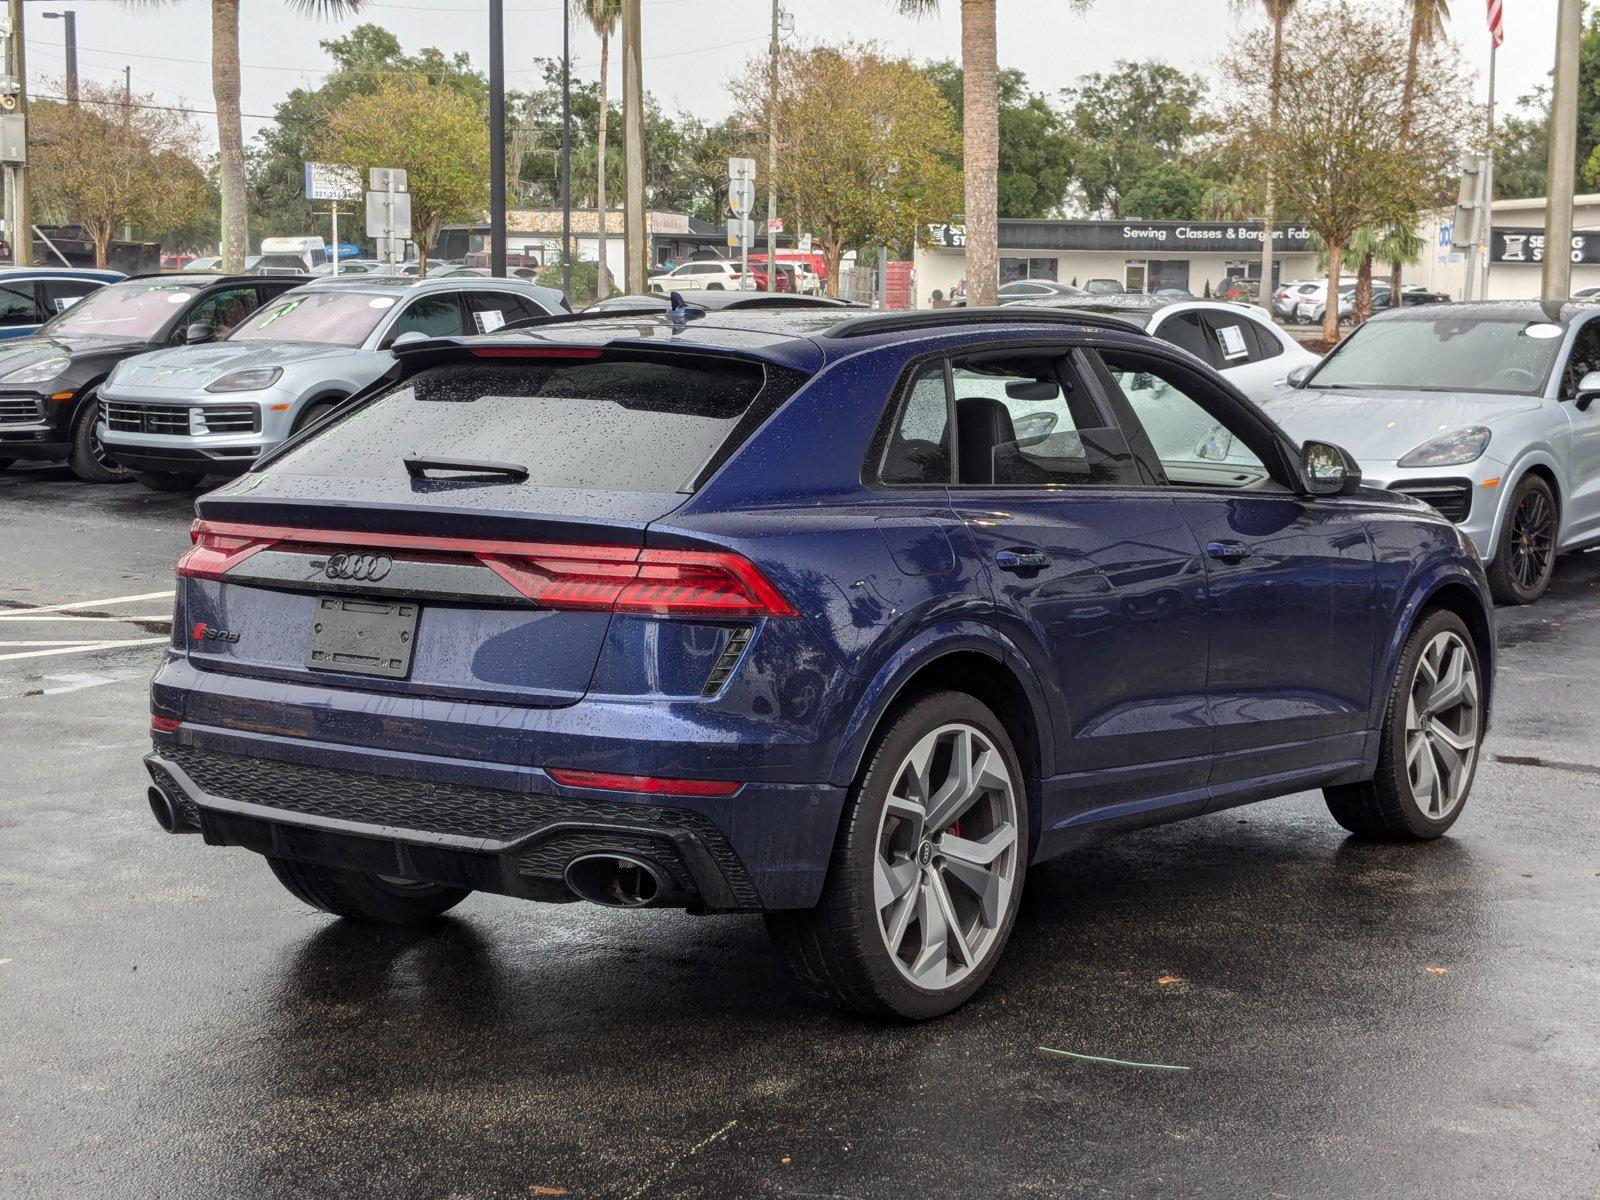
(1147, 236)
(1527, 246)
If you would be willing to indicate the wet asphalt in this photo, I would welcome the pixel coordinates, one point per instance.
(1350, 1020)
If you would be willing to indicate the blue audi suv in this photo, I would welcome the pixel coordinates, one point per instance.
(844, 618)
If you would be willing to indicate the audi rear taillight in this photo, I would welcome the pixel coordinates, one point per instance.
(653, 785)
(217, 548)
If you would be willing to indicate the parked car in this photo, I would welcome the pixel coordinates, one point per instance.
(1587, 293)
(209, 264)
(1104, 287)
(1312, 301)
(1410, 296)
(717, 302)
(1036, 289)
(1288, 295)
(846, 621)
(289, 256)
(177, 416)
(1484, 410)
(1251, 352)
(1237, 289)
(410, 267)
(50, 382)
(706, 274)
(30, 296)
(353, 266)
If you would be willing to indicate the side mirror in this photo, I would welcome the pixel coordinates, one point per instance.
(409, 337)
(1328, 470)
(1588, 391)
(197, 333)
(1297, 377)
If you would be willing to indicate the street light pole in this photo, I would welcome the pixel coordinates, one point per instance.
(70, 20)
(21, 211)
(1562, 165)
(497, 138)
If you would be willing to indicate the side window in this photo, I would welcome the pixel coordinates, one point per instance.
(918, 453)
(435, 316)
(221, 311)
(17, 306)
(61, 294)
(1196, 447)
(1187, 333)
(1238, 340)
(488, 311)
(1028, 420)
(1585, 357)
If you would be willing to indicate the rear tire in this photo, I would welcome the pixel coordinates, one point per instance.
(89, 460)
(357, 896)
(1431, 735)
(1525, 552)
(920, 896)
(169, 481)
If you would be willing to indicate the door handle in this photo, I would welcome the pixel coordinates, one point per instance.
(1021, 560)
(1228, 551)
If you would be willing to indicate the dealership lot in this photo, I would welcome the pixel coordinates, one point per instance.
(1292, 1013)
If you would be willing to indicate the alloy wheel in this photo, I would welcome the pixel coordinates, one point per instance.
(945, 871)
(1442, 720)
(1533, 539)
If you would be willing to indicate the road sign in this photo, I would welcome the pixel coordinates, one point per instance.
(389, 214)
(331, 181)
(741, 196)
(382, 179)
(14, 138)
(774, 224)
(741, 231)
(742, 168)
(805, 243)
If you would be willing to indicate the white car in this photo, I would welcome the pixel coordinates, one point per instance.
(1252, 353)
(1288, 295)
(703, 274)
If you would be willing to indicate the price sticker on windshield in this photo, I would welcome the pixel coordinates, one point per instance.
(1232, 339)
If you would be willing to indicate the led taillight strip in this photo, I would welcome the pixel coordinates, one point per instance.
(555, 575)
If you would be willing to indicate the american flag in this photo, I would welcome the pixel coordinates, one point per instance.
(1497, 29)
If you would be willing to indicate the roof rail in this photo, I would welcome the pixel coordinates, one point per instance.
(1010, 314)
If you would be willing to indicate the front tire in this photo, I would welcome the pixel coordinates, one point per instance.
(1430, 740)
(927, 869)
(1525, 552)
(357, 896)
(89, 459)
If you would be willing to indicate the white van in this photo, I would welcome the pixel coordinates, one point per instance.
(290, 255)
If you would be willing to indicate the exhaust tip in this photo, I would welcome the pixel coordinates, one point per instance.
(614, 880)
(166, 811)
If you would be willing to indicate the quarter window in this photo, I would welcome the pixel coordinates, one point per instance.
(17, 306)
(1185, 332)
(918, 453)
(1585, 357)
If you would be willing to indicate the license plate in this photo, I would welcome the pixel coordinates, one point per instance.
(363, 637)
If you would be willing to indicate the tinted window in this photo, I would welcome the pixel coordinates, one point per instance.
(632, 424)
(488, 311)
(223, 310)
(919, 448)
(1195, 445)
(1028, 421)
(62, 294)
(1459, 352)
(17, 305)
(1585, 357)
(1186, 332)
(1239, 340)
(435, 316)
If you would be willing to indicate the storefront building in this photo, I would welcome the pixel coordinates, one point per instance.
(1516, 264)
(1140, 256)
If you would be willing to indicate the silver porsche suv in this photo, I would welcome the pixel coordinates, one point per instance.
(1484, 410)
(175, 416)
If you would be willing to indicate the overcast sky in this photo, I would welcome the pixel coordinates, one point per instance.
(691, 46)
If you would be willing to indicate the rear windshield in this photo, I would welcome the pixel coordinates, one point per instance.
(633, 424)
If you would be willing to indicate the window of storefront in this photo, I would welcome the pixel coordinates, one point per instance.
(1168, 273)
(1013, 269)
(1134, 274)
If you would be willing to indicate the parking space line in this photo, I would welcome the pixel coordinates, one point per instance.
(27, 620)
(54, 642)
(84, 648)
(75, 604)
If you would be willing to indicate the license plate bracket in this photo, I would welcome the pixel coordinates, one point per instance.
(362, 637)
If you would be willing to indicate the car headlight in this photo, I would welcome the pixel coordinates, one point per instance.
(1450, 449)
(40, 372)
(252, 380)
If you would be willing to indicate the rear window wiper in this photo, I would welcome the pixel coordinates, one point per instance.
(418, 468)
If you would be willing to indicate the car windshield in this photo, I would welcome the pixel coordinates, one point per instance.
(127, 310)
(332, 318)
(1448, 354)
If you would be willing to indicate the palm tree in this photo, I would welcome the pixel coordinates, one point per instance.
(230, 130)
(1278, 13)
(1428, 19)
(980, 138)
(603, 15)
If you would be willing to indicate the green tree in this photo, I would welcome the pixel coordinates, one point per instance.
(980, 137)
(1166, 192)
(1522, 147)
(866, 146)
(439, 135)
(1035, 165)
(1127, 122)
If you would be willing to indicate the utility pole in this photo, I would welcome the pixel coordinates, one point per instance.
(772, 150)
(635, 236)
(70, 20)
(1488, 174)
(21, 212)
(497, 138)
(566, 149)
(1562, 165)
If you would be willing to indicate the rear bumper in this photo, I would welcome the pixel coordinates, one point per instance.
(765, 847)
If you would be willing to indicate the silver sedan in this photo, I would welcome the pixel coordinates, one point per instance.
(1485, 411)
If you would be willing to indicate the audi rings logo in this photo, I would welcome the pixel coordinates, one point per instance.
(363, 568)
